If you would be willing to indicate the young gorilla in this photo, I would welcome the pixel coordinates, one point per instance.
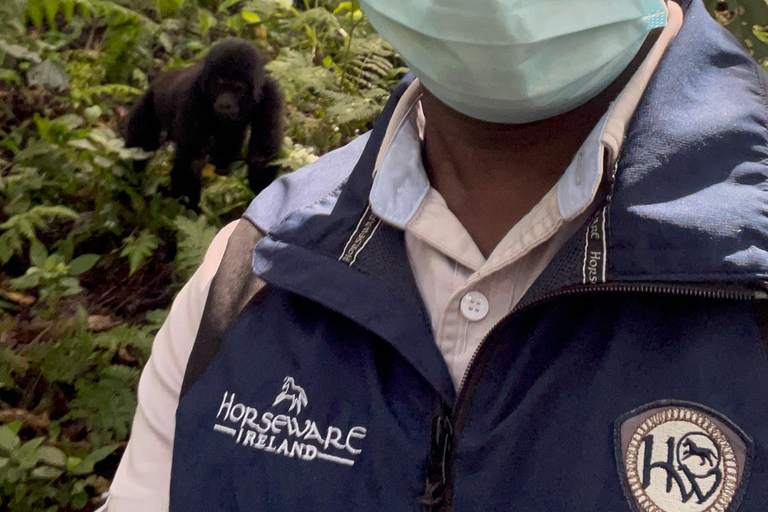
(205, 110)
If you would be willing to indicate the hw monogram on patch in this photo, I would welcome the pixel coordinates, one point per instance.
(676, 456)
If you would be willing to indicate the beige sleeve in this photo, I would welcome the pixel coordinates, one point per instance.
(142, 482)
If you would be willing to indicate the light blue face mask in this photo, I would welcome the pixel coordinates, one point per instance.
(516, 61)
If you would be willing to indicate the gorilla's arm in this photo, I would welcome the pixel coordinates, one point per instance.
(266, 137)
(144, 128)
(190, 133)
(156, 110)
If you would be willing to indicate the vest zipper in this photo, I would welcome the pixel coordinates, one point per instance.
(438, 493)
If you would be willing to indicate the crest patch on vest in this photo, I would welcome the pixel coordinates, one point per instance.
(676, 456)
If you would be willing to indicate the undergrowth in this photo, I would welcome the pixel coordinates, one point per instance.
(91, 255)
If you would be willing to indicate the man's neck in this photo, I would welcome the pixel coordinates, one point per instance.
(492, 175)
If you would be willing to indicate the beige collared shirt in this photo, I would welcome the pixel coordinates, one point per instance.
(445, 260)
(465, 294)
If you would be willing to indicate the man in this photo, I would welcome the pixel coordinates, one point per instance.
(537, 284)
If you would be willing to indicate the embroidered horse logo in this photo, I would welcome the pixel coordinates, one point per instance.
(294, 393)
(692, 450)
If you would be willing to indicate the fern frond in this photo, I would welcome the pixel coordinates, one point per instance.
(317, 17)
(194, 237)
(371, 60)
(119, 13)
(120, 93)
(298, 75)
(352, 109)
(138, 250)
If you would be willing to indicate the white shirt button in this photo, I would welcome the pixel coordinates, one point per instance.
(474, 306)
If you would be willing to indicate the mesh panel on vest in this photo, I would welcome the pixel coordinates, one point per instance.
(384, 256)
(565, 269)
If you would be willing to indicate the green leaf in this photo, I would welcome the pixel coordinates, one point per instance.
(83, 144)
(138, 250)
(51, 9)
(27, 456)
(761, 33)
(8, 439)
(83, 264)
(30, 279)
(69, 9)
(38, 253)
(52, 456)
(13, 475)
(99, 454)
(49, 74)
(85, 467)
(165, 41)
(206, 20)
(250, 17)
(46, 473)
(81, 318)
(35, 148)
(103, 162)
(53, 263)
(235, 22)
(226, 4)
(35, 12)
(70, 122)
(69, 286)
(19, 52)
(73, 462)
(10, 76)
(169, 7)
(92, 113)
(79, 500)
(342, 6)
(6, 251)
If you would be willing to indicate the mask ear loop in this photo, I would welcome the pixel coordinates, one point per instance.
(630, 97)
(659, 19)
(421, 119)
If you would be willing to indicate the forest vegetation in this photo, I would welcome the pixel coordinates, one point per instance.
(91, 255)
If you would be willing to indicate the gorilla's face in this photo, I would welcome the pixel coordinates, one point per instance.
(231, 98)
(233, 76)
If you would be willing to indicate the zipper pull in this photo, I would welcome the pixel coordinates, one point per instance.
(437, 477)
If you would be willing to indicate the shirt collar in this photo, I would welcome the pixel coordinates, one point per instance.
(400, 181)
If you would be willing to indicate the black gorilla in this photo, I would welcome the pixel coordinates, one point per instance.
(205, 110)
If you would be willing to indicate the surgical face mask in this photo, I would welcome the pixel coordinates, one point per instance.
(516, 61)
